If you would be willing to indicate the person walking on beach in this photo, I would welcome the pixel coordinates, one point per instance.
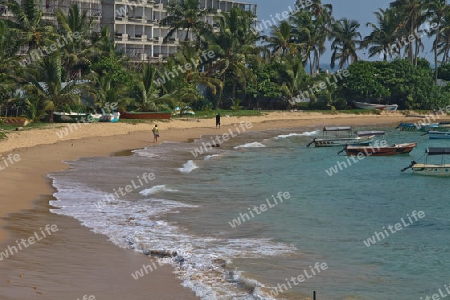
(218, 120)
(155, 133)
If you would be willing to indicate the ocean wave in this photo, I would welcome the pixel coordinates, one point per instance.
(156, 189)
(202, 263)
(250, 145)
(188, 167)
(307, 133)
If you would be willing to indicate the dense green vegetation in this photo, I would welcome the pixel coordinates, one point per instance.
(233, 65)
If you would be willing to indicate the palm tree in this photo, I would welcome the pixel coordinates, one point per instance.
(384, 34)
(444, 38)
(76, 52)
(235, 49)
(46, 85)
(346, 39)
(437, 10)
(146, 91)
(306, 35)
(28, 19)
(323, 19)
(186, 14)
(411, 12)
(280, 39)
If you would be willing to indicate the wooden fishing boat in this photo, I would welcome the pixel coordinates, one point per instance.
(63, 117)
(21, 121)
(365, 105)
(377, 150)
(145, 115)
(441, 169)
(342, 136)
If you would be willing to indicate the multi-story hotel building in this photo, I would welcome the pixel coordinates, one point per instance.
(137, 29)
(135, 24)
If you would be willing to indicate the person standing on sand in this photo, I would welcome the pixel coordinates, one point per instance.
(218, 120)
(155, 131)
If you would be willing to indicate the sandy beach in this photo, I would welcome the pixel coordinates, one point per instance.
(73, 262)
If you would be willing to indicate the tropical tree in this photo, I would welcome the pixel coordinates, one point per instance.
(76, 27)
(308, 36)
(28, 19)
(186, 14)
(346, 40)
(384, 34)
(320, 28)
(444, 39)
(411, 14)
(280, 39)
(234, 46)
(437, 10)
(46, 88)
(9, 46)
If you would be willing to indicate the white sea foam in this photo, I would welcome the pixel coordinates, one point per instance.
(250, 145)
(188, 167)
(307, 133)
(156, 189)
(201, 261)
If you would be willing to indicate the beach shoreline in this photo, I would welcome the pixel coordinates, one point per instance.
(26, 185)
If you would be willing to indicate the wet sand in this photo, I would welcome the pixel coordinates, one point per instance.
(73, 262)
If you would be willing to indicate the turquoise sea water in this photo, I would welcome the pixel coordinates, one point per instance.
(192, 201)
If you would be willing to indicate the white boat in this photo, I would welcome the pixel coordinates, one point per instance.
(110, 117)
(365, 105)
(342, 136)
(441, 169)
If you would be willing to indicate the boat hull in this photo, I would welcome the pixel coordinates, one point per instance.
(59, 117)
(431, 170)
(433, 135)
(381, 151)
(343, 141)
(146, 115)
(363, 105)
(21, 121)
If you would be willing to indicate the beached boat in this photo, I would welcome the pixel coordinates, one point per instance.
(438, 135)
(186, 111)
(112, 117)
(365, 105)
(145, 115)
(441, 169)
(21, 121)
(375, 150)
(342, 136)
(63, 117)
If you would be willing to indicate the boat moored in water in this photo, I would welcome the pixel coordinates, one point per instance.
(425, 168)
(342, 136)
(379, 150)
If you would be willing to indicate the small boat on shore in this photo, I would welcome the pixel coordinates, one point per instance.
(339, 139)
(389, 150)
(365, 105)
(63, 117)
(21, 121)
(441, 169)
(112, 117)
(146, 115)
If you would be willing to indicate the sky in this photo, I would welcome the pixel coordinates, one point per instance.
(360, 10)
